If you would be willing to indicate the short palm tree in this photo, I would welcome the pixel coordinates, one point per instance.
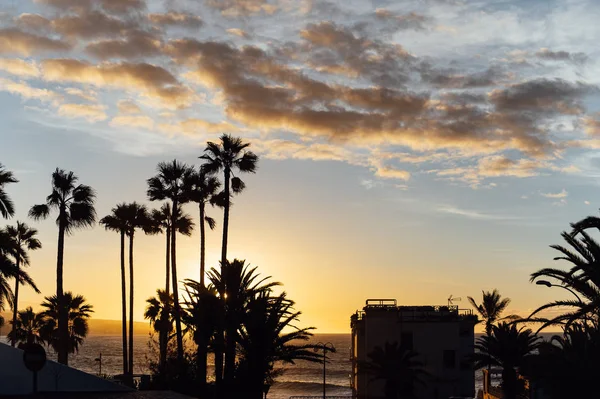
(229, 155)
(75, 206)
(173, 182)
(22, 238)
(398, 367)
(491, 308)
(26, 328)
(507, 347)
(269, 337)
(203, 191)
(78, 313)
(7, 208)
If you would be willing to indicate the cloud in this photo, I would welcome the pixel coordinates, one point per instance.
(179, 19)
(19, 67)
(398, 22)
(90, 112)
(238, 8)
(387, 172)
(150, 79)
(576, 58)
(453, 80)
(14, 41)
(137, 121)
(91, 25)
(119, 7)
(88, 95)
(238, 32)
(562, 194)
(136, 44)
(586, 202)
(35, 22)
(472, 214)
(128, 107)
(28, 92)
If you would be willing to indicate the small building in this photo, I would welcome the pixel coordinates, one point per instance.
(442, 336)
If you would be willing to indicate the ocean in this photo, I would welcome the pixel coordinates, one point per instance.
(303, 378)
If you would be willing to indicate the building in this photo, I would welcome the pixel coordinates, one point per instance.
(442, 336)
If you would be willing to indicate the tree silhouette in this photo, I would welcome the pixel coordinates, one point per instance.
(75, 206)
(203, 191)
(27, 327)
(21, 239)
(491, 308)
(78, 313)
(507, 347)
(7, 208)
(173, 182)
(398, 367)
(229, 155)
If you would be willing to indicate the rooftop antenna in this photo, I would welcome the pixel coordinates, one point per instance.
(451, 300)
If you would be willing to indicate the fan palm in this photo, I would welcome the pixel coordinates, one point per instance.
(75, 205)
(491, 308)
(78, 313)
(26, 327)
(7, 208)
(229, 155)
(268, 337)
(203, 191)
(173, 182)
(507, 347)
(398, 367)
(236, 284)
(21, 239)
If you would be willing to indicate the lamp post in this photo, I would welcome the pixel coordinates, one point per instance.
(549, 284)
(99, 360)
(326, 347)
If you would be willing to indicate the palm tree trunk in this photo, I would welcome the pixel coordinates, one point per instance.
(175, 290)
(124, 304)
(63, 326)
(130, 368)
(168, 282)
(202, 244)
(163, 334)
(16, 302)
(225, 218)
(220, 334)
(201, 361)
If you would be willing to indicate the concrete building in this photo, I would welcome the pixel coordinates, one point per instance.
(443, 337)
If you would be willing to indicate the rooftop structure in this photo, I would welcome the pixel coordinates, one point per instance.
(442, 336)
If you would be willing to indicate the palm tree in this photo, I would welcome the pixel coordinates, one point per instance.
(236, 284)
(75, 205)
(7, 208)
(268, 337)
(491, 308)
(22, 238)
(582, 279)
(507, 347)
(27, 327)
(398, 367)
(78, 313)
(117, 221)
(203, 191)
(159, 312)
(173, 182)
(229, 155)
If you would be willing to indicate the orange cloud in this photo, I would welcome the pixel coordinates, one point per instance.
(91, 112)
(28, 92)
(137, 121)
(136, 44)
(14, 41)
(176, 19)
(19, 67)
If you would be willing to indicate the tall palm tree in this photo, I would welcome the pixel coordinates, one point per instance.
(117, 221)
(268, 337)
(75, 206)
(491, 308)
(507, 347)
(398, 367)
(236, 284)
(22, 238)
(229, 155)
(7, 208)
(27, 327)
(203, 191)
(173, 182)
(78, 313)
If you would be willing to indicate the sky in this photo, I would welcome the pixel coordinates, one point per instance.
(410, 150)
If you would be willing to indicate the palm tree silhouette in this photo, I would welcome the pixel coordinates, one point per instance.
(507, 347)
(173, 182)
(236, 283)
(398, 367)
(203, 191)
(491, 308)
(117, 221)
(228, 156)
(159, 311)
(26, 327)
(22, 238)
(7, 208)
(269, 337)
(75, 206)
(78, 313)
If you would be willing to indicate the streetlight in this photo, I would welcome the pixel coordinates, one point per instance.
(549, 284)
(99, 360)
(326, 347)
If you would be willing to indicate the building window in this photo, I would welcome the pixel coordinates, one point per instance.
(449, 359)
(406, 340)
